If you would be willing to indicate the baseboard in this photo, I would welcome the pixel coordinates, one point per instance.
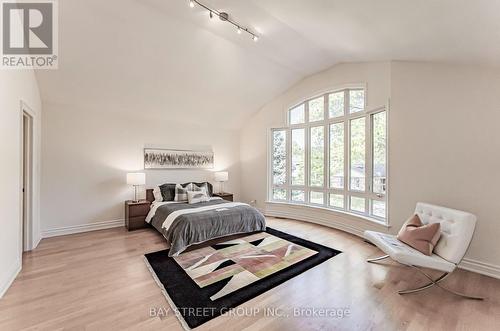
(37, 240)
(479, 267)
(357, 228)
(346, 223)
(9, 277)
(61, 231)
(337, 225)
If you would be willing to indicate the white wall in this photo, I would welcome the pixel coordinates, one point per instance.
(87, 152)
(15, 85)
(445, 146)
(376, 76)
(444, 143)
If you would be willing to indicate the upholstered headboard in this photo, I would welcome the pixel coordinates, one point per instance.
(457, 228)
(149, 195)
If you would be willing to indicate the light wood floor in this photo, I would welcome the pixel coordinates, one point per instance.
(98, 281)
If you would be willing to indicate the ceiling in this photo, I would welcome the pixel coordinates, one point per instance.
(167, 61)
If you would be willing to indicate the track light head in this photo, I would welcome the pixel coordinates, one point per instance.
(225, 17)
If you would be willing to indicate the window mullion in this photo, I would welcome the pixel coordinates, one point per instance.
(288, 164)
(347, 149)
(326, 154)
(270, 156)
(326, 157)
(307, 160)
(368, 161)
(326, 112)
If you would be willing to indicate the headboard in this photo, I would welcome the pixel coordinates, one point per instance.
(150, 196)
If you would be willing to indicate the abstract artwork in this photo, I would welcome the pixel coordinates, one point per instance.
(177, 159)
(242, 261)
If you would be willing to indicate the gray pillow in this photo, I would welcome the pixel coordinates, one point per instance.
(167, 191)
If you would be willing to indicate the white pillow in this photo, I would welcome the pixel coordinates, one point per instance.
(197, 196)
(203, 188)
(157, 194)
(181, 191)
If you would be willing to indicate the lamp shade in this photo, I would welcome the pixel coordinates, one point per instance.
(136, 178)
(221, 176)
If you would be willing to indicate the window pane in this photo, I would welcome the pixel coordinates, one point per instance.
(317, 156)
(337, 155)
(357, 167)
(336, 104)
(378, 208)
(356, 100)
(279, 157)
(317, 109)
(298, 156)
(279, 194)
(316, 197)
(298, 196)
(379, 152)
(358, 204)
(337, 200)
(297, 115)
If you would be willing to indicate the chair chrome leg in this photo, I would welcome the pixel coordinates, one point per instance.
(426, 286)
(418, 289)
(466, 296)
(435, 282)
(377, 258)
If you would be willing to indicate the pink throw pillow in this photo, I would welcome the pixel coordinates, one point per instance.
(419, 236)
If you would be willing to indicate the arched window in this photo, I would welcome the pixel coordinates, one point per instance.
(333, 153)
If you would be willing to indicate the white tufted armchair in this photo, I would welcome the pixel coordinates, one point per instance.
(457, 228)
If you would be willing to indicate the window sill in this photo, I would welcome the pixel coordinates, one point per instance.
(352, 216)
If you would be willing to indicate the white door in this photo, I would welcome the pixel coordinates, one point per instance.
(27, 181)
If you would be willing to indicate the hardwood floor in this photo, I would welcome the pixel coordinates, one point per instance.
(99, 281)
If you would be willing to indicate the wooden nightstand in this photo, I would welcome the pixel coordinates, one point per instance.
(224, 195)
(135, 214)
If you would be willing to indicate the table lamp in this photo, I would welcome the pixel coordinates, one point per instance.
(136, 179)
(221, 177)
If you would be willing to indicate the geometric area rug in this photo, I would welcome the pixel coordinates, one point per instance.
(206, 282)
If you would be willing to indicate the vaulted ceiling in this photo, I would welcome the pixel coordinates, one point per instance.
(167, 61)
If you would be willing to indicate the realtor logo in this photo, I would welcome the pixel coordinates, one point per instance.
(29, 34)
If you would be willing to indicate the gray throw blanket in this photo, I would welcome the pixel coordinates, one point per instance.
(198, 227)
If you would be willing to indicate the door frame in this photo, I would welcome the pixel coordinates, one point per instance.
(27, 206)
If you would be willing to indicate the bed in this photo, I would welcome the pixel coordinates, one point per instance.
(184, 224)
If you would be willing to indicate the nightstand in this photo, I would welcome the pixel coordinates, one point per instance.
(224, 195)
(135, 214)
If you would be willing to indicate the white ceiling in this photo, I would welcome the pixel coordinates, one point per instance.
(170, 62)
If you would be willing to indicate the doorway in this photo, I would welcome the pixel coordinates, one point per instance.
(27, 179)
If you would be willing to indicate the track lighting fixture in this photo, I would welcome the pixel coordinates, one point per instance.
(224, 17)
